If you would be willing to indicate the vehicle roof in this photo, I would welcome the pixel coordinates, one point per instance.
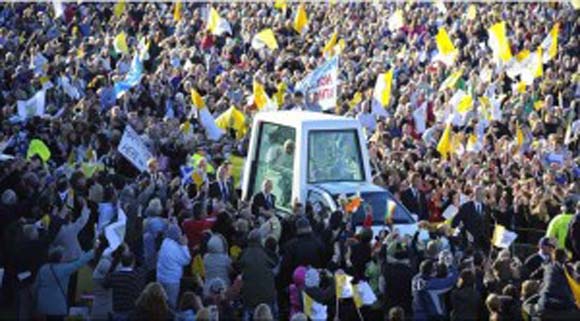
(335, 188)
(294, 118)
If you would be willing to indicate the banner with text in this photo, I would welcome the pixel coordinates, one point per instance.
(134, 149)
(322, 84)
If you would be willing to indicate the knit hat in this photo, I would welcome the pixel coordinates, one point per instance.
(299, 276)
(312, 278)
(154, 208)
(303, 226)
(9, 197)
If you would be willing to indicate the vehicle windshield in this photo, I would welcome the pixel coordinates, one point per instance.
(378, 202)
(334, 155)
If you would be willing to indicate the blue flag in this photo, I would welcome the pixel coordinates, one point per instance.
(132, 79)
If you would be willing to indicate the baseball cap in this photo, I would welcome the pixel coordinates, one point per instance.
(546, 241)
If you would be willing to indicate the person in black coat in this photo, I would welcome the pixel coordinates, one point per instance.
(223, 187)
(398, 275)
(556, 296)
(475, 219)
(263, 200)
(573, 238)
(303, 250)
(415, 200)
(534, 265)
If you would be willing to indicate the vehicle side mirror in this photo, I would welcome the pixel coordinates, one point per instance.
(415, 217)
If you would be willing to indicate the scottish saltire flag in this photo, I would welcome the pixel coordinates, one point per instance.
(132, 79)
(185, 172)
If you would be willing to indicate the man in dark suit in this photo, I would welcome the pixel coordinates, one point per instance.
(534, 266)
(222, 188)
(264, 202)
(475, 219)
(415, 200)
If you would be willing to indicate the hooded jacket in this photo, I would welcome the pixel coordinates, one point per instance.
(257, 275)
(216, 262)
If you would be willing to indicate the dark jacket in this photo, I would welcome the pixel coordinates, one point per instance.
(533, 267)
(398, 278)
(556, 293)
(259, 201)
(228, 195)
(304, 249)
(257, 276)
(427, 295)
(477, 224)
(573, 238)
(417, 205)
(466, 304)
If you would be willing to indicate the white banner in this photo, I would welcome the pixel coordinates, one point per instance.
(33, 106)
(134, 149)
(323, 84)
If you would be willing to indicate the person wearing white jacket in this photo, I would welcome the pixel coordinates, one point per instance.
(173, 256)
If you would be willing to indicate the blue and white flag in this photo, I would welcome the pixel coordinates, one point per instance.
(132, 79)
(321, 85)
(185, 172)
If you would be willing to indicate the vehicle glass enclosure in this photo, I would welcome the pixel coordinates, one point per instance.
(333, 156)
(378, 202)
(275, 160)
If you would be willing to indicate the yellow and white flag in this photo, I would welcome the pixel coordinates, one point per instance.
(177, 11)
(519, 135)
(301, 19)
(119, 8)
(383, 87)
(328, 49)
(532, 67)
(313, 309)
(196, 99)
(396, 20)
(503, 237)
(444, 146)
(261, 99)
(499, 43)
(234, 119)
(451, 80)
(550, 44)
(447, 51)
(471, 12)
(216, 24)
(473, 144)
(280, 5)
(120, 43)
(265, 38)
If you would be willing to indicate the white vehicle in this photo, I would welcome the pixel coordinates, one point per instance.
(315, 157)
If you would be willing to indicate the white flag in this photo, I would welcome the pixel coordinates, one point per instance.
(212, 131)
(33, 106)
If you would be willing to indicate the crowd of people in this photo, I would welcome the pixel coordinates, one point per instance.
(158, 245)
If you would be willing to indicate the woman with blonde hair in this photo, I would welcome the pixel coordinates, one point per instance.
(152, 304)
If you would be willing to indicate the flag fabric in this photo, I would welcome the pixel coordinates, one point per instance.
(177, 11)
(280, 5)
(38, 147)
(471, 12)
(34, 106)
(58, 8)
(115, 232)
(260, 96)
(212, 131)
(465, 104)
(444, 146)
(447, 51)
(329, 47)
(473, 144)
(234, 119)
(532, 67)
(498, 42)
(343, 288)
(216, 24)
(356, 99)
(120, 43)
(420, 118)
(574, 286)
(279, 95)
(119, 8)
(363, 294)
(391, 207)
(301, 19)
(132, 79)
(396, 20)
(519, 87)
(143, 47)
(503, 237)
(550, 44)
(356, 297)
(519, 135)
(451, 80)
(313, 309)
(196, 99)
(382, 92)
(265, 38)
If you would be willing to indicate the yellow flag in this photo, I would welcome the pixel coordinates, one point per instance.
(185, 127)
(465, 104)
(280, 5)
(550, 44)
(329, 47)
(119, 8)
(120, 43)
(232, 118)
(485, 106)
(574, 286)
(213, 20)
(340, 281)
(519, 135)
(266, 38)
(279, 95)
(383, 86)
(301, 19)
(356, 297)
(575, 4)
(451, 80)
(71, 158)
(356, 99)
(499, 43)
(471, 143)
(539, 68)
(177, 14)
(522, 55)
(197, 267)
(471, 12)
(196, 99)
(260, 96)
(539, 104)
(307, 304)
(444, 146)
(520, 87)
(444, 44)
(396, 20)
(38, 147)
